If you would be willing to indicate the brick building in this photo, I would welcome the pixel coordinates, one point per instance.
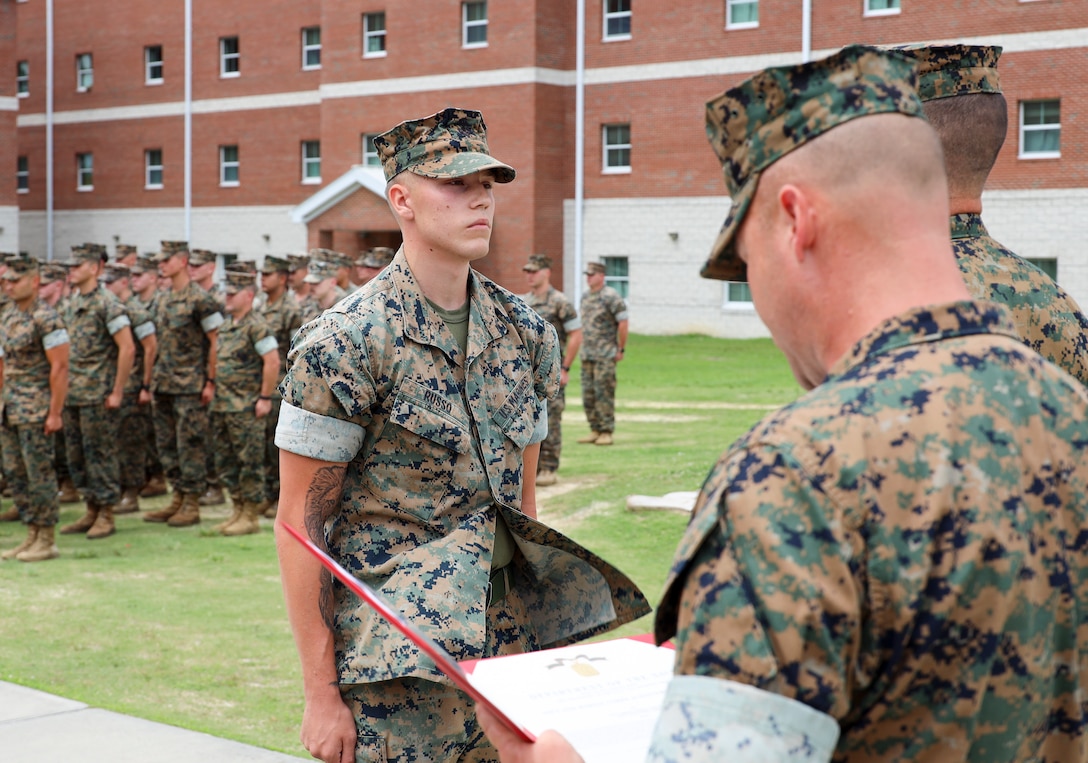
(247, 131)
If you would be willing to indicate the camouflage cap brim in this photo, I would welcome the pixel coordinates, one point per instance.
(461, 164)
(945, 71)
(723, 263)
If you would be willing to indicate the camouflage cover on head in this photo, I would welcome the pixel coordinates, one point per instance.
(236, 280)
(241, 266)
(376, 257)
(273, 264)
(595, 267)
(83, 253)
(19, 266)
(948, 70)
(537, 262)
(124, 250)
(113, 271)
(52, 271)
(145, 263)
(169, 249)
(201, 256)
(320, 269)
(756, 123)
(451, 143)
(97, 249)
(297, 261)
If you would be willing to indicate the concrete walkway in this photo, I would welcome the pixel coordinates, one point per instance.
(36, 727)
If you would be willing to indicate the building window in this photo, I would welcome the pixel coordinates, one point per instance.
(1048, 265)
(153, 65)
(311, 47)
(615, 274)
(84, 172)
(1040, 129)
(373, 35)
(22, 175)
(737, 294)
(84, 72)
(474, 25)
(153, 168)
(228, 165)
(230, 59)
(741, 14)
(311, 161)
(370, 152)
(617, 148)
(881, 7)
(617, 19)
(22, 79)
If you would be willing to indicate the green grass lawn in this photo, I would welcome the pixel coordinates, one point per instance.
(185, 627)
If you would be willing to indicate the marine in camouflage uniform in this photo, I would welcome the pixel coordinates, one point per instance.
(248, 367)
(403, 430)
(34, 355)
(604, 322)
(144, 282)
(183, 383)
(556, 309)
(961, 90)
(202, 264)
(324, 291)
(281, 312)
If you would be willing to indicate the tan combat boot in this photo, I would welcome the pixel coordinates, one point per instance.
(546, 477)
(235, 515)
(103, 527)
(189, 513)
(213, 496)
(130, 501)
(163, 515)
(269, 508)
(154, 486)
(67, 492)
(11, 515)
(605, 438)
(248, 523)
(28, 541)
(43, 548)
(84, 523)
(589, 438)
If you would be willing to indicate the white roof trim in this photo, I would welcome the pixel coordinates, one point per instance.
(370, 178)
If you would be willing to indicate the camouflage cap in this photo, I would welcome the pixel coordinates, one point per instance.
(273, 264)
(376, 257)
(756, 123)
(84, 253)
(297, 261)
(537, 262)
(114, 271)
(241, 266)
(321, 269)
(18, 267)
(237, 280)
(98, 249)
(451, 143)
(169, 249)
(948, 70)
(51, 272)
(145, 263)
(595, 267)
(124, 250)
(201, 256)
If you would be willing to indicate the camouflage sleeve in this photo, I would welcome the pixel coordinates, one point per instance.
(52, 329)
(262, 337)
(568, 315)
(770, 598)
(547, 369)
(116, 315)
(617, 306)
(327, 391)
(208, 313)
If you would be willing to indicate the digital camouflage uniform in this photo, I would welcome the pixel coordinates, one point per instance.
(237, 433)
(183, 318)
(601, 312)
(284, 318)
(136, 423)
(154, 463)
(27, 450)
(559, 311)
(433, 441)
(90, 429)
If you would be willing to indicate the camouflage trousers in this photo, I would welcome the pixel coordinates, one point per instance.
(60, 457)
(181, 432)
(599, 394)
(134, 451)
(553, 444)
(90, 436)
(239, 453)
(412, 720)
(272, 453)
(28, 463)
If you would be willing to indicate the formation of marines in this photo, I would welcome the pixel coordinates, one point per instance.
(146, 374)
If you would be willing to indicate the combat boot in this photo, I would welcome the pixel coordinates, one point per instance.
(162, 515)
(234, 517)
(213, 496)
(130, 501)
(546, 477)
(248, 523)
(605, 438)
(269, 508)
(67, 492)
(84, 523)
(31, 534)
(43, 548)
(188, 514)
(103, 526)
(11, 515)
(589, 438)
(153, 487)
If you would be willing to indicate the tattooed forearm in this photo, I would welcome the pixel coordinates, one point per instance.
(322, 502)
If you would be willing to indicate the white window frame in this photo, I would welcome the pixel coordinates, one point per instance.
(309, 46)
(84, 72)
(227, 58)
(151, 167)
(622, 284)
(1049, 127)
(735, 305)
(868, 10)
(228, 164)
(730, 5)
(22, 174)
(369, 34)
(607, 148)
(309, 160)
(150, 65)
(467, 24)
(615, 16)
(370, 152)
(22, 79)
(85, 171)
